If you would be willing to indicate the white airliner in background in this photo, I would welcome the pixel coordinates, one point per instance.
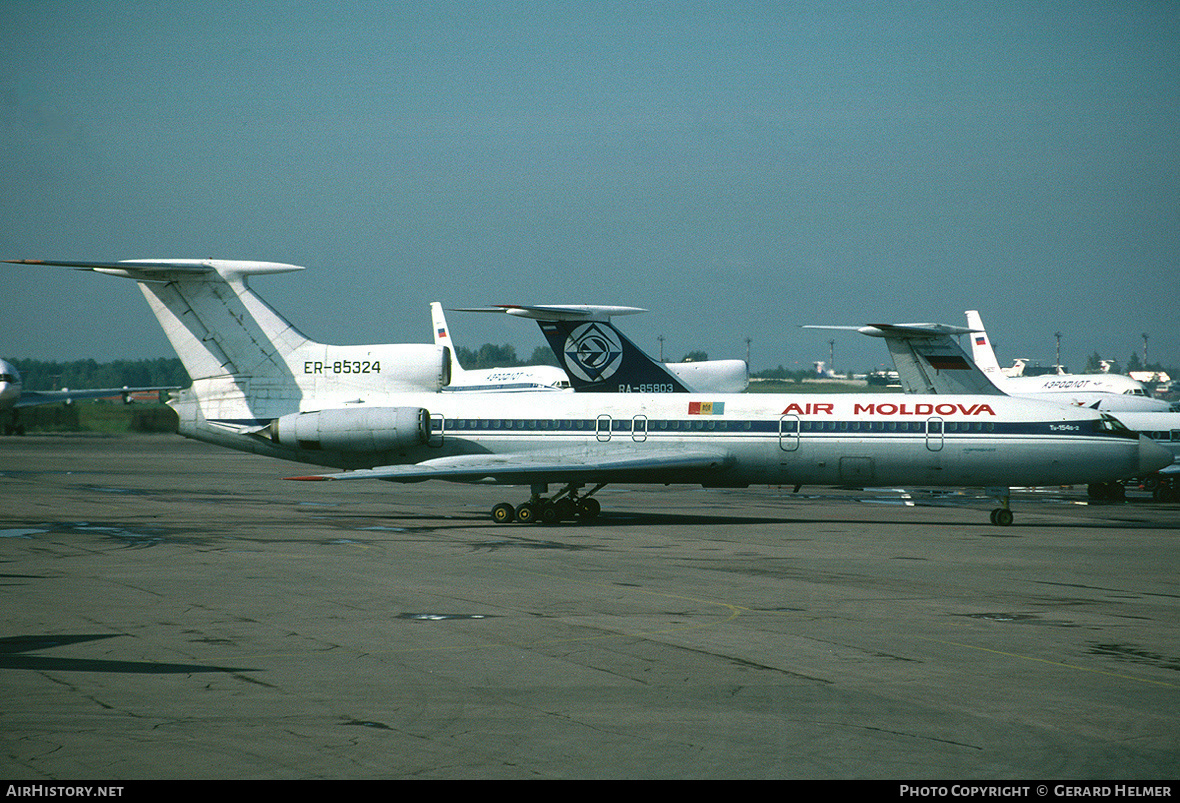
(261, 386)
(1164, 429)
(1113, 393)
(519, 378)
(13, 396)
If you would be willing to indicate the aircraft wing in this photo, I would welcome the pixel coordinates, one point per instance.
(927, 358)
(31, 398)
(528, 468)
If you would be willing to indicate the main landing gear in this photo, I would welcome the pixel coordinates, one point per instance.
(564, 506)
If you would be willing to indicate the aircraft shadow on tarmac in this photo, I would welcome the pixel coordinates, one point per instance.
(13, 649)
(419, 521)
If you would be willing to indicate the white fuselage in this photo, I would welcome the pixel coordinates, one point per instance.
(1111, 393)
(846, 439)
(1163, 428)
(544, 378)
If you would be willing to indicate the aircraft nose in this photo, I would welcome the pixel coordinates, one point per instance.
(1152, 456)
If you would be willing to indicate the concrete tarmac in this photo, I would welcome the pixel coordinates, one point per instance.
(175, 610)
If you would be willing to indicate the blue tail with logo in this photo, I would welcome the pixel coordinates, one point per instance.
(599, 359)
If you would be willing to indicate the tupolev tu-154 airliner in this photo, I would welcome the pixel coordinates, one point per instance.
(376, 411)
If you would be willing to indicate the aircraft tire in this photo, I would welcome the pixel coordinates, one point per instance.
(565, 509)
(1002, 517)
(549, 514)
(589, 509)
(527, 513)
(503, 513)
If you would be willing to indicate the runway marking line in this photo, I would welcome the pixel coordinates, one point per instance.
(1053, 663)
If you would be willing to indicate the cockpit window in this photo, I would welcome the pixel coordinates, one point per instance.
(1108, 423)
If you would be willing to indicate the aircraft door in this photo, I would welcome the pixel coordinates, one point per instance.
(602, 428)
(639, 428)
(934, 427)
(788, 433)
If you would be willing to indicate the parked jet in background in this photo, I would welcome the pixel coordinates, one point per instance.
(598, 358)
(518, 378)
(927, 358)
(260, 386)
(1164, 429)
(13, 396)
(1110, 392)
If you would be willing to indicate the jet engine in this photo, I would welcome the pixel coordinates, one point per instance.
(353, 429)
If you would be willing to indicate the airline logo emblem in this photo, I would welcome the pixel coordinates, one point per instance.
(593, 352)
(706, 408)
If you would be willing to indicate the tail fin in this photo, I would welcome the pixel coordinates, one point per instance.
(442, 338)
(981, 349)
(246, 360)
(927, 358)
(599, 358)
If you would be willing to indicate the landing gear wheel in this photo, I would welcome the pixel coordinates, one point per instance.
(527, 513)
(1001, 517)
(588, 509)
(565, 508)
(503, 513)
(549, 514)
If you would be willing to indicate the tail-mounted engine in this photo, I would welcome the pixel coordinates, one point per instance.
(353, 429)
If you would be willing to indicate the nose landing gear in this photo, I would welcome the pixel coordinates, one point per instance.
(1001, 516)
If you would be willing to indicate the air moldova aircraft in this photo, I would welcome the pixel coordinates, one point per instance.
(377, 411)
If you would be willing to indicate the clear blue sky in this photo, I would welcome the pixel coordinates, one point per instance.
(739, 169)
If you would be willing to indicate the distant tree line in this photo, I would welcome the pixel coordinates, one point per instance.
(50, 375)
(489, 355)
(169, 372)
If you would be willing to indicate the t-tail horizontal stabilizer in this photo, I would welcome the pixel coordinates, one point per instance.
(927, 357)
(248, 363)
